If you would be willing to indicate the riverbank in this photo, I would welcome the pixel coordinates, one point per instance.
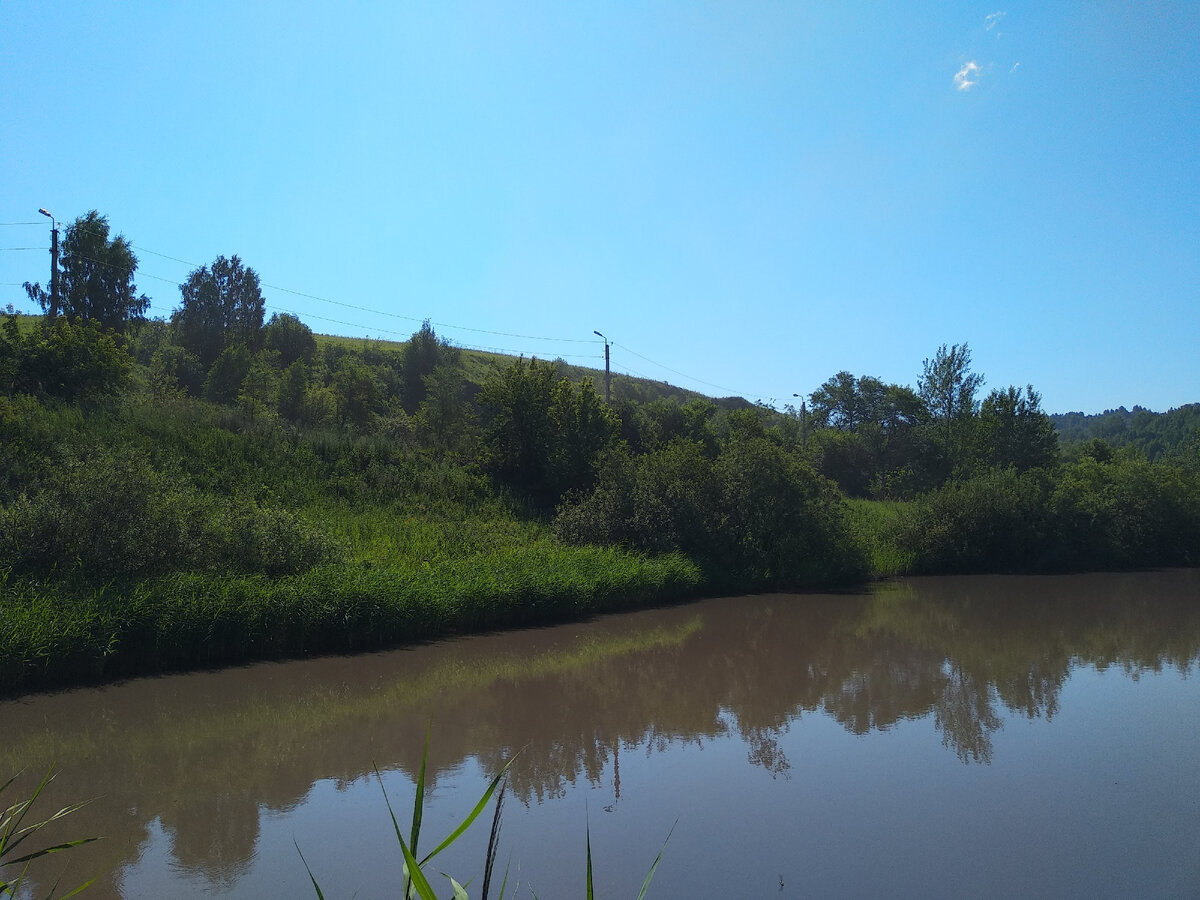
(309, 498)
(52, 635)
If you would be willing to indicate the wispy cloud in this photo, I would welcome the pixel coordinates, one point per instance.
(967, 77)
(1014, 67)
(991, 20)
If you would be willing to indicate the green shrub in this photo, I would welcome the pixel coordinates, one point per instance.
(993, 522)
(69, 360)
(1126, 512)
(755, 515)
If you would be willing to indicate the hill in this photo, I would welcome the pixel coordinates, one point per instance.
(1157, 435)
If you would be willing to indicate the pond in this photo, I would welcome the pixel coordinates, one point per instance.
(949, 737)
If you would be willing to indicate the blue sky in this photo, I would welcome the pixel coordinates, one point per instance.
(745, 197)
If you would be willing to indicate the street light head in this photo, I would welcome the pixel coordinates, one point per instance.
(45, 212)
(597, 334)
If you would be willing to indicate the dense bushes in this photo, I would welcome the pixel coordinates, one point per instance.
(754, 515)
(107, 513)
(62, 358)
(1091, 514)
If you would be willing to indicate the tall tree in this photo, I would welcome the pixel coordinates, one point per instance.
(95, 276)
(222, 305)
(424, 353)
(836, 402)
(1015, 432)
(545, 435)
(948, 387)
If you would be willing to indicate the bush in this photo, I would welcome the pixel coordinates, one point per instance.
(993, 522)
(1127, 512)
(755, 515)
(108, 513)
(105, 513)
(290, 338)
(1092, 514)
(70, 360)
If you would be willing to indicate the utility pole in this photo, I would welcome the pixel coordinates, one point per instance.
(53, 263)
(607, 370)
(803, 424)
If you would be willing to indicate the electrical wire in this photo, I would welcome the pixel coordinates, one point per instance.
(407, 318)
(720, 387)
(368, 309)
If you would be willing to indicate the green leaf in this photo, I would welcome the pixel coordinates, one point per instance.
(316, 887)
(479, 807)
(460, 892)
(589, 861)
(657, 859)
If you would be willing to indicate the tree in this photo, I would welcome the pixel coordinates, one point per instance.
(95, 276)
(424, 353)
(290, 338)
(356, 389)
(444, 412)
(545, 434)
(222, 305)
(228, 372)
(1015, 432)
(836, 402)
(948, 387)
(520, 433)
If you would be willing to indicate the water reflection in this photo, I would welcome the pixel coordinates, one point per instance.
(203, 756)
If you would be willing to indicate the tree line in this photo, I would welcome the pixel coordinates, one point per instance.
(756, 496)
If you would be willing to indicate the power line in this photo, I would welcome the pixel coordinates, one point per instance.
(368, 309)
(13, 249)
(20, 223)
(407, 318)
(719, 387)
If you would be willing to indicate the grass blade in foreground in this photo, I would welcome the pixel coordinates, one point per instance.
(654, 866)
(13, 833)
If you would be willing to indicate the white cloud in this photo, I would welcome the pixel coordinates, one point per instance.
(1014, 68)
(991, 20)
(967, 77)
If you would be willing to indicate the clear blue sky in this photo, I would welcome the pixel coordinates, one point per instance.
(752, 194)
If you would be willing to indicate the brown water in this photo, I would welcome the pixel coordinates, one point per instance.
(983, 737)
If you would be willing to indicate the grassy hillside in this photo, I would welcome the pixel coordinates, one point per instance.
(478, 364)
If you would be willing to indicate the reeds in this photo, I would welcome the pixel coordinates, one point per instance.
(56, 631)
(416, 883)
(14, 832)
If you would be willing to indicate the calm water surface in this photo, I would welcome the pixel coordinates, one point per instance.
(952, 737)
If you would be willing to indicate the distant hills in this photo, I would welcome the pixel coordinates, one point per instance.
(1155, 434)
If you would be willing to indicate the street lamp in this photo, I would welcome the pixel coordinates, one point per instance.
(607, 370)
(53, 262)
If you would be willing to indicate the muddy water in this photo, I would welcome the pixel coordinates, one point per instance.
(984, 736)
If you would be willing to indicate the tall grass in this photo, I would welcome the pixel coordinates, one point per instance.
(876, 526)
(53, 632)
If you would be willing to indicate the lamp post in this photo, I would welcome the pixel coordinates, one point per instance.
(803, 424)
(607, 370)
(53, 263)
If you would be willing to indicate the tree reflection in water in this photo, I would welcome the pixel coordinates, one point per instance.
(207, 754)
